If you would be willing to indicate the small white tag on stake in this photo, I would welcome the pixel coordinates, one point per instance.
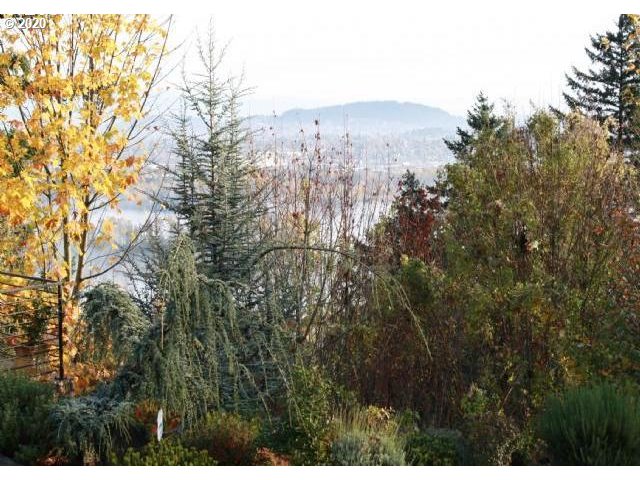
(160, 425)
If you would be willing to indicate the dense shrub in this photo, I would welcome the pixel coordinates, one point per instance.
(435, 447)
(89, 428)
(165, 453)
(303, 431)
(227, 437)
(24, 411)
(595, 425)
(367, 437)
(366, 448)
(493, 436)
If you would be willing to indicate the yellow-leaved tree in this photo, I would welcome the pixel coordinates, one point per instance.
(72, 98)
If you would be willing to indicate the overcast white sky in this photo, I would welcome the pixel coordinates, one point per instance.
(305, 54)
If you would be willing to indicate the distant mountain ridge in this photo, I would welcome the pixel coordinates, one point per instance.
(375, 117)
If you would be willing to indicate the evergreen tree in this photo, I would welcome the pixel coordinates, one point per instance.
(480, 118)
(218, 208)
(483, 123)
(211, 193)
(184, 199)
(610, 89)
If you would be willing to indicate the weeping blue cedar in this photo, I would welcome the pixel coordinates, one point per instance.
(207, 351)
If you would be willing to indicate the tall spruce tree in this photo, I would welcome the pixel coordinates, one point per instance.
(610, 89)
(481, 118)
(212, 189)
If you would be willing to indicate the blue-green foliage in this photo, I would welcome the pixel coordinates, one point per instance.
(89, 428)
(367, 436)
(115, 325)
(366, 448)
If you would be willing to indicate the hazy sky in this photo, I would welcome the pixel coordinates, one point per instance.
(328, 52)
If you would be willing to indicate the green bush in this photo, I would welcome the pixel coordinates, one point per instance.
(24, 411)
(227, 437)
(303, 431)
(90, 428)
(165, 453)
(435, 447)
(366, 448)
(595, 425)
(367, 437)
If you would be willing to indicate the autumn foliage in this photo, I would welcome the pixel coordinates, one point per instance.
(292, 306)
(70, 96)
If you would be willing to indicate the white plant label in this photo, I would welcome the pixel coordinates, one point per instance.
(160, 425)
